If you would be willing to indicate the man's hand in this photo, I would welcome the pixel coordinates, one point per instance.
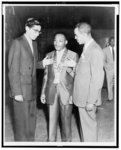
(47, 61)
(90, 107)
(43, 100)
(70, 100)
(69, 69)
(70, 63)
(19, 98)
(113, 81)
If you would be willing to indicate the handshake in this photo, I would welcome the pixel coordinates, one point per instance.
(69, 62)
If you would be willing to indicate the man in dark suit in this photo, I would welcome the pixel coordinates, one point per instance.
(22, 63)
(58, 86)
(88, 81)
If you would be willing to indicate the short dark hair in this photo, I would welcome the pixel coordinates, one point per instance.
(85, 26)
(63, 33)
(31, 22)
(111, 38)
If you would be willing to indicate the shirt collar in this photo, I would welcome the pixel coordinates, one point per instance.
(61, 51)
(87, 44)
(111, 47)
(28, 39)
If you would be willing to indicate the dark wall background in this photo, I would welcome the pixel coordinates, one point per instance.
(58, 18)
(54, 19)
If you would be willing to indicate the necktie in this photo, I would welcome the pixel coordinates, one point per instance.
(59, 56)
(113, 53)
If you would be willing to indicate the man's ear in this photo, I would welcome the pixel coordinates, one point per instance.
(26, 28)
(66, 42)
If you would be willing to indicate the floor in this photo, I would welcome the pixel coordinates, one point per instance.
(105, 118)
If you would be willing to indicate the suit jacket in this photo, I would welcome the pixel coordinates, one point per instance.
(89, 75)
(22, 68)
(109, 62)
(65, 86)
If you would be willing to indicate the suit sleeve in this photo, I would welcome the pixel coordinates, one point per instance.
(45, 80)
(39, 64)
(76, 58)
(107, 65)
(14, 61)
(105, 59)
(97, 75)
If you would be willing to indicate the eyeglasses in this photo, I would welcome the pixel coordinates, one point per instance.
(36, 31)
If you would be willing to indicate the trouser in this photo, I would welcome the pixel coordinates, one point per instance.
(65, 113)
(110, 83)
(24, 120)
(88, 124)
(99, 100)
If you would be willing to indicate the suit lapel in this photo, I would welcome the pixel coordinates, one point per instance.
(109, 53)
(27, 46)
(63, 57)
(34, 55)
(60, 65)
(84, 54)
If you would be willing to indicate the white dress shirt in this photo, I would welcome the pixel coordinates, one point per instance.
(59, 56)
(30, 42)
(111, 49)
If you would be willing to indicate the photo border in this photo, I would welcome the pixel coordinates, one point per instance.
(117, 78)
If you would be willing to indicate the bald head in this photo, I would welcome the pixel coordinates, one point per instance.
(83, 33)
(84, 27)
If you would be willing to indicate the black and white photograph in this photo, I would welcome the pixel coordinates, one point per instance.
(60, 66)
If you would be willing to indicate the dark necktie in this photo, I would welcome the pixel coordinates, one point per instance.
(113, 53)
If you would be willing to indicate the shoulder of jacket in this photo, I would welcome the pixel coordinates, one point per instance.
(106, 48)
(50, 53)
(71, 52)
(96, 48)
(17, 40)
(95, 45)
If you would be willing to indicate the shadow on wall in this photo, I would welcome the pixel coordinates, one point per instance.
(13, 30)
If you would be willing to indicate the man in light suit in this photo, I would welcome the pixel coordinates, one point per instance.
(58, 86)
(88, 81)
(109, 67)
(22, 63)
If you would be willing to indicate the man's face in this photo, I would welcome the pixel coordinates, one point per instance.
(34, 31)
(79, 36)
(112, 42)
(60, 42)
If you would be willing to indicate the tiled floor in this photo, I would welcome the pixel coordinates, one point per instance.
(105, 118)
